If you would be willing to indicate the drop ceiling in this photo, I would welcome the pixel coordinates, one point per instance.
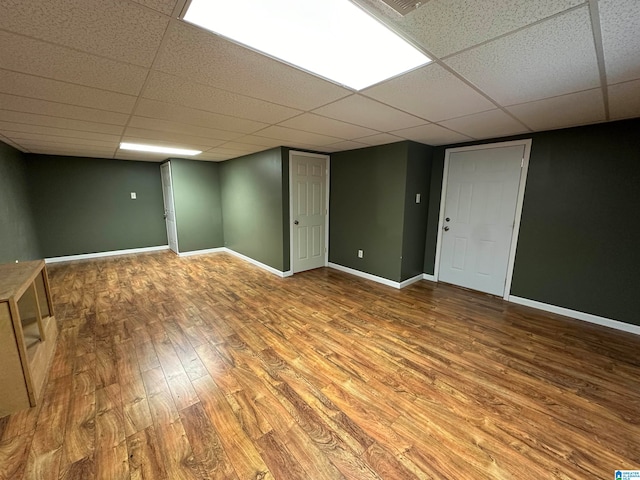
(77, 77)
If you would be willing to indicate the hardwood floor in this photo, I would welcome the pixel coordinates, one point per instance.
(207, 367)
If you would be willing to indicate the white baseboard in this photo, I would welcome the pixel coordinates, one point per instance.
(368, 276)
(409, 281)
(586, 317)
(111, 253)
(258, 264)
(431, 278)
(202, 252)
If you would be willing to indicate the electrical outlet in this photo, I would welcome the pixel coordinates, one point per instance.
(360, 253)
(133, 195)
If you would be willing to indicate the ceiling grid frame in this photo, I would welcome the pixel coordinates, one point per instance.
(75, 109)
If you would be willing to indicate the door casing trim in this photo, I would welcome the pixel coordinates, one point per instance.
(519, 202)
(326, 220)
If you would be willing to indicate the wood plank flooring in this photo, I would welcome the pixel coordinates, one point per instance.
(209, 368)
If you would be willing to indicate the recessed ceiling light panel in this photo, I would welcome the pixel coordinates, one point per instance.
(331, 38)
(157, 149)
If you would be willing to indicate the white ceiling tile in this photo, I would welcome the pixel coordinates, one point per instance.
(494, 123)
(115, 29)
(310, 122)
(620, 25)
(229, 152)
(343, 146)
(35, 57)
(33, 144)
(61, 110)
(57, 140)
(548, 59)
(260, 141)
(10, 142)
(52, 90)
(212, 157)
(177, 140)
(171, 89)
(432, 93)
(192, 116)
(368, 113)
(624, 100)
(447, 26)
(212, 60)
(298, 136)
(181, 128)
(46, 121)
(432, 134)
(379, 139)
(79, 151)
(243, 147)
(564, 111)
(142, 156)
(163, 6)
(58, 132)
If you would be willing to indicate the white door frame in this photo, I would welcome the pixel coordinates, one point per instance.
(516, 226)
(173, 202)
(326, 222)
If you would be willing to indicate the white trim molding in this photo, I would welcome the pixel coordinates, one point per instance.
(202, 252)
(327, 158)
(586, 317)
(112, 253)
(375, 278)
(410, 281)
(264, 266)
(526, 144)
(427, 276)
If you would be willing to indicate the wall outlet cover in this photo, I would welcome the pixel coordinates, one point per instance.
(360, 253)
(133, 195)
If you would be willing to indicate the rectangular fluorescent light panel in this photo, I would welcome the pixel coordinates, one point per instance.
(331, 38)
(155, 149)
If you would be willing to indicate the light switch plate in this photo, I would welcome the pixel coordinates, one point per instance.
(133, 195)
(417, 198)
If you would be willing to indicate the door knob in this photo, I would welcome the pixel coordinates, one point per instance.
(296, 222)
(446, 229)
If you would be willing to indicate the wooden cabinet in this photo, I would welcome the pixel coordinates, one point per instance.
(28, 333)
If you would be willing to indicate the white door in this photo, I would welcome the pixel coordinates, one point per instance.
(308, 174)
(169, 209)
(479, 215)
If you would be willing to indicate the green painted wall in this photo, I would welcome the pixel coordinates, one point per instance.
(253, 207)
(435, 190)
(415, 214)
(196, 192)
(372, 200)
(83, 205)
(18, 239)
(286, 223)
(579, 235)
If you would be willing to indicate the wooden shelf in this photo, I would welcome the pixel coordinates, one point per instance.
(28, 333)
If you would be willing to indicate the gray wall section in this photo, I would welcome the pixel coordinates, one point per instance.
(18, 239)
(253, 207)
(196, 191)
(435, 190)
(83, 205)
(415, 214)
(286, 220)
(579, 236)
(367, 197)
